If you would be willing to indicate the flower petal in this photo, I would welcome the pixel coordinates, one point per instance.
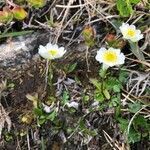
(51, 51)
(121, 59)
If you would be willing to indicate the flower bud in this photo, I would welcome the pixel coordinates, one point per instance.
(6, 15)
(27, 118)
(89, 35)
(110, 38)
(37, 3)
(19, 13)
(112, 41)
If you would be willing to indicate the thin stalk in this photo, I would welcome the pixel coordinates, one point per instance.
(46, 74)
(87, 60)
(103, 76)
(42, 143)
(50, 75)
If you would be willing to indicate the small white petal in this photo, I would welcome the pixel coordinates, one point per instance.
(55, 46)
(99, 54)
(132, 27)
(141, 36)
(116, 50)
(99, 58)
(73, 104)
(61, 48)
(42, 48)
(121, 59)
(95, 104)
(123, 27)
(48, 45)
(43, 52)
(46, 108)
(138, 32)
(62, 51)
(102, 49)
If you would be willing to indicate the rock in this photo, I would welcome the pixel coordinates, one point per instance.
(21, 49)
(20, 65)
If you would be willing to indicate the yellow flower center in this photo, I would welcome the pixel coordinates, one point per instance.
(110, 57)
(53, 52)
(24, 119)
(131, 32)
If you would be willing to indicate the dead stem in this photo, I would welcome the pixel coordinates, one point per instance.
(87, 59)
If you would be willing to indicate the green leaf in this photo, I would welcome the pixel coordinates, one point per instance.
(96, 83)
(86, 98)
(102, 73)
(71, 68)
(134, 107)
(136, 51)
(106, 93)
(12, 34)
(42, 117)
(114, 102)
(123, 76)
(111, 82)
(117, 88)
(65, 97)
(117, 111)
(140, 123)
(52, 116)
(134, 136)
(41, 121)
(116, 24)
(123, 124)
(99, 96)
(135, 1)
(124, 7)
(38, 111)
(77, 80)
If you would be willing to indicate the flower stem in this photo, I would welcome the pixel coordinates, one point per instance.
(102, 72)
(50, 75)
(46, 74)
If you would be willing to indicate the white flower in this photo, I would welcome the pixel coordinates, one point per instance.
(73, 104)
(110, 57)
(95, 104)
(130, 32)
(51, 51)
(46, 108)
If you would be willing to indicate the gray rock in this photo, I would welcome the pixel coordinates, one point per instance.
(21, 49)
